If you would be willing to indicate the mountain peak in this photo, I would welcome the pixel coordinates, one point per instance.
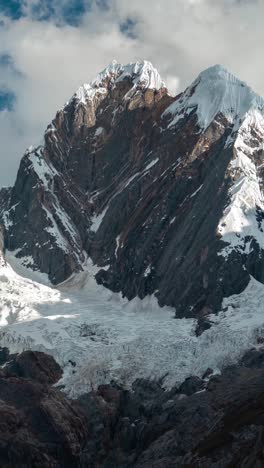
(142, 202)
(218, 73)
(216, 91)
(216, 70)
(142, 74)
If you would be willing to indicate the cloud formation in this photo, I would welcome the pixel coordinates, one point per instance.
(48, 48)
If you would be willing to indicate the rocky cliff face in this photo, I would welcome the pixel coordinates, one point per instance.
(164, 194)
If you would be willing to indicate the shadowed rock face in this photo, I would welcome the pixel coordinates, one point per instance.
(145, 194)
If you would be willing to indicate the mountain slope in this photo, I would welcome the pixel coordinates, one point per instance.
(165, 194)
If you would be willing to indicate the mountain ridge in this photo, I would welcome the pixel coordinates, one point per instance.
(129, 178)
(143, 74)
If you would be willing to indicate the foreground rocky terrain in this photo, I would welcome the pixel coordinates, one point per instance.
(39, 427)
(163, 193)
(215, 421)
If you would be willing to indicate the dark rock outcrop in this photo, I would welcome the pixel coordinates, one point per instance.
(37, 366)
(191, 385)
(39, 426)
(5, 194)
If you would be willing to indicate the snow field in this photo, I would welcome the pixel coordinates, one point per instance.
(97, 336)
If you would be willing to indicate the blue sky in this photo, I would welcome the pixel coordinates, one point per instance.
(48, 48)
(11, 8)
(70, 12)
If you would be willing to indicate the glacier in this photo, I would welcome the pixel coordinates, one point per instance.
(98, 336)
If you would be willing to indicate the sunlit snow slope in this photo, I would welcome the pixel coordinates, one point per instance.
(97, 336)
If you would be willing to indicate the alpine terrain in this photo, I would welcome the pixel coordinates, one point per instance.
(132, 279)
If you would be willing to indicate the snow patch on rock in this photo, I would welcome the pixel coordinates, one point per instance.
(151, 164)
(98, 131)
(97, 219)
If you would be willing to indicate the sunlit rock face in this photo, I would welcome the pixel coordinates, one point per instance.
(164, 193)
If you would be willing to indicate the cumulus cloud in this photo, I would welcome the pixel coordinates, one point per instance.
(49, 52)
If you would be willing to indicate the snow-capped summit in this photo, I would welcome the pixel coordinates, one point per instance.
(216, 91)
(142, 74)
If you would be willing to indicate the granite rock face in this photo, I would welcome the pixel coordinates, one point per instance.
(163, 193)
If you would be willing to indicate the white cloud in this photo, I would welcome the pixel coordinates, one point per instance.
(180, 37)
